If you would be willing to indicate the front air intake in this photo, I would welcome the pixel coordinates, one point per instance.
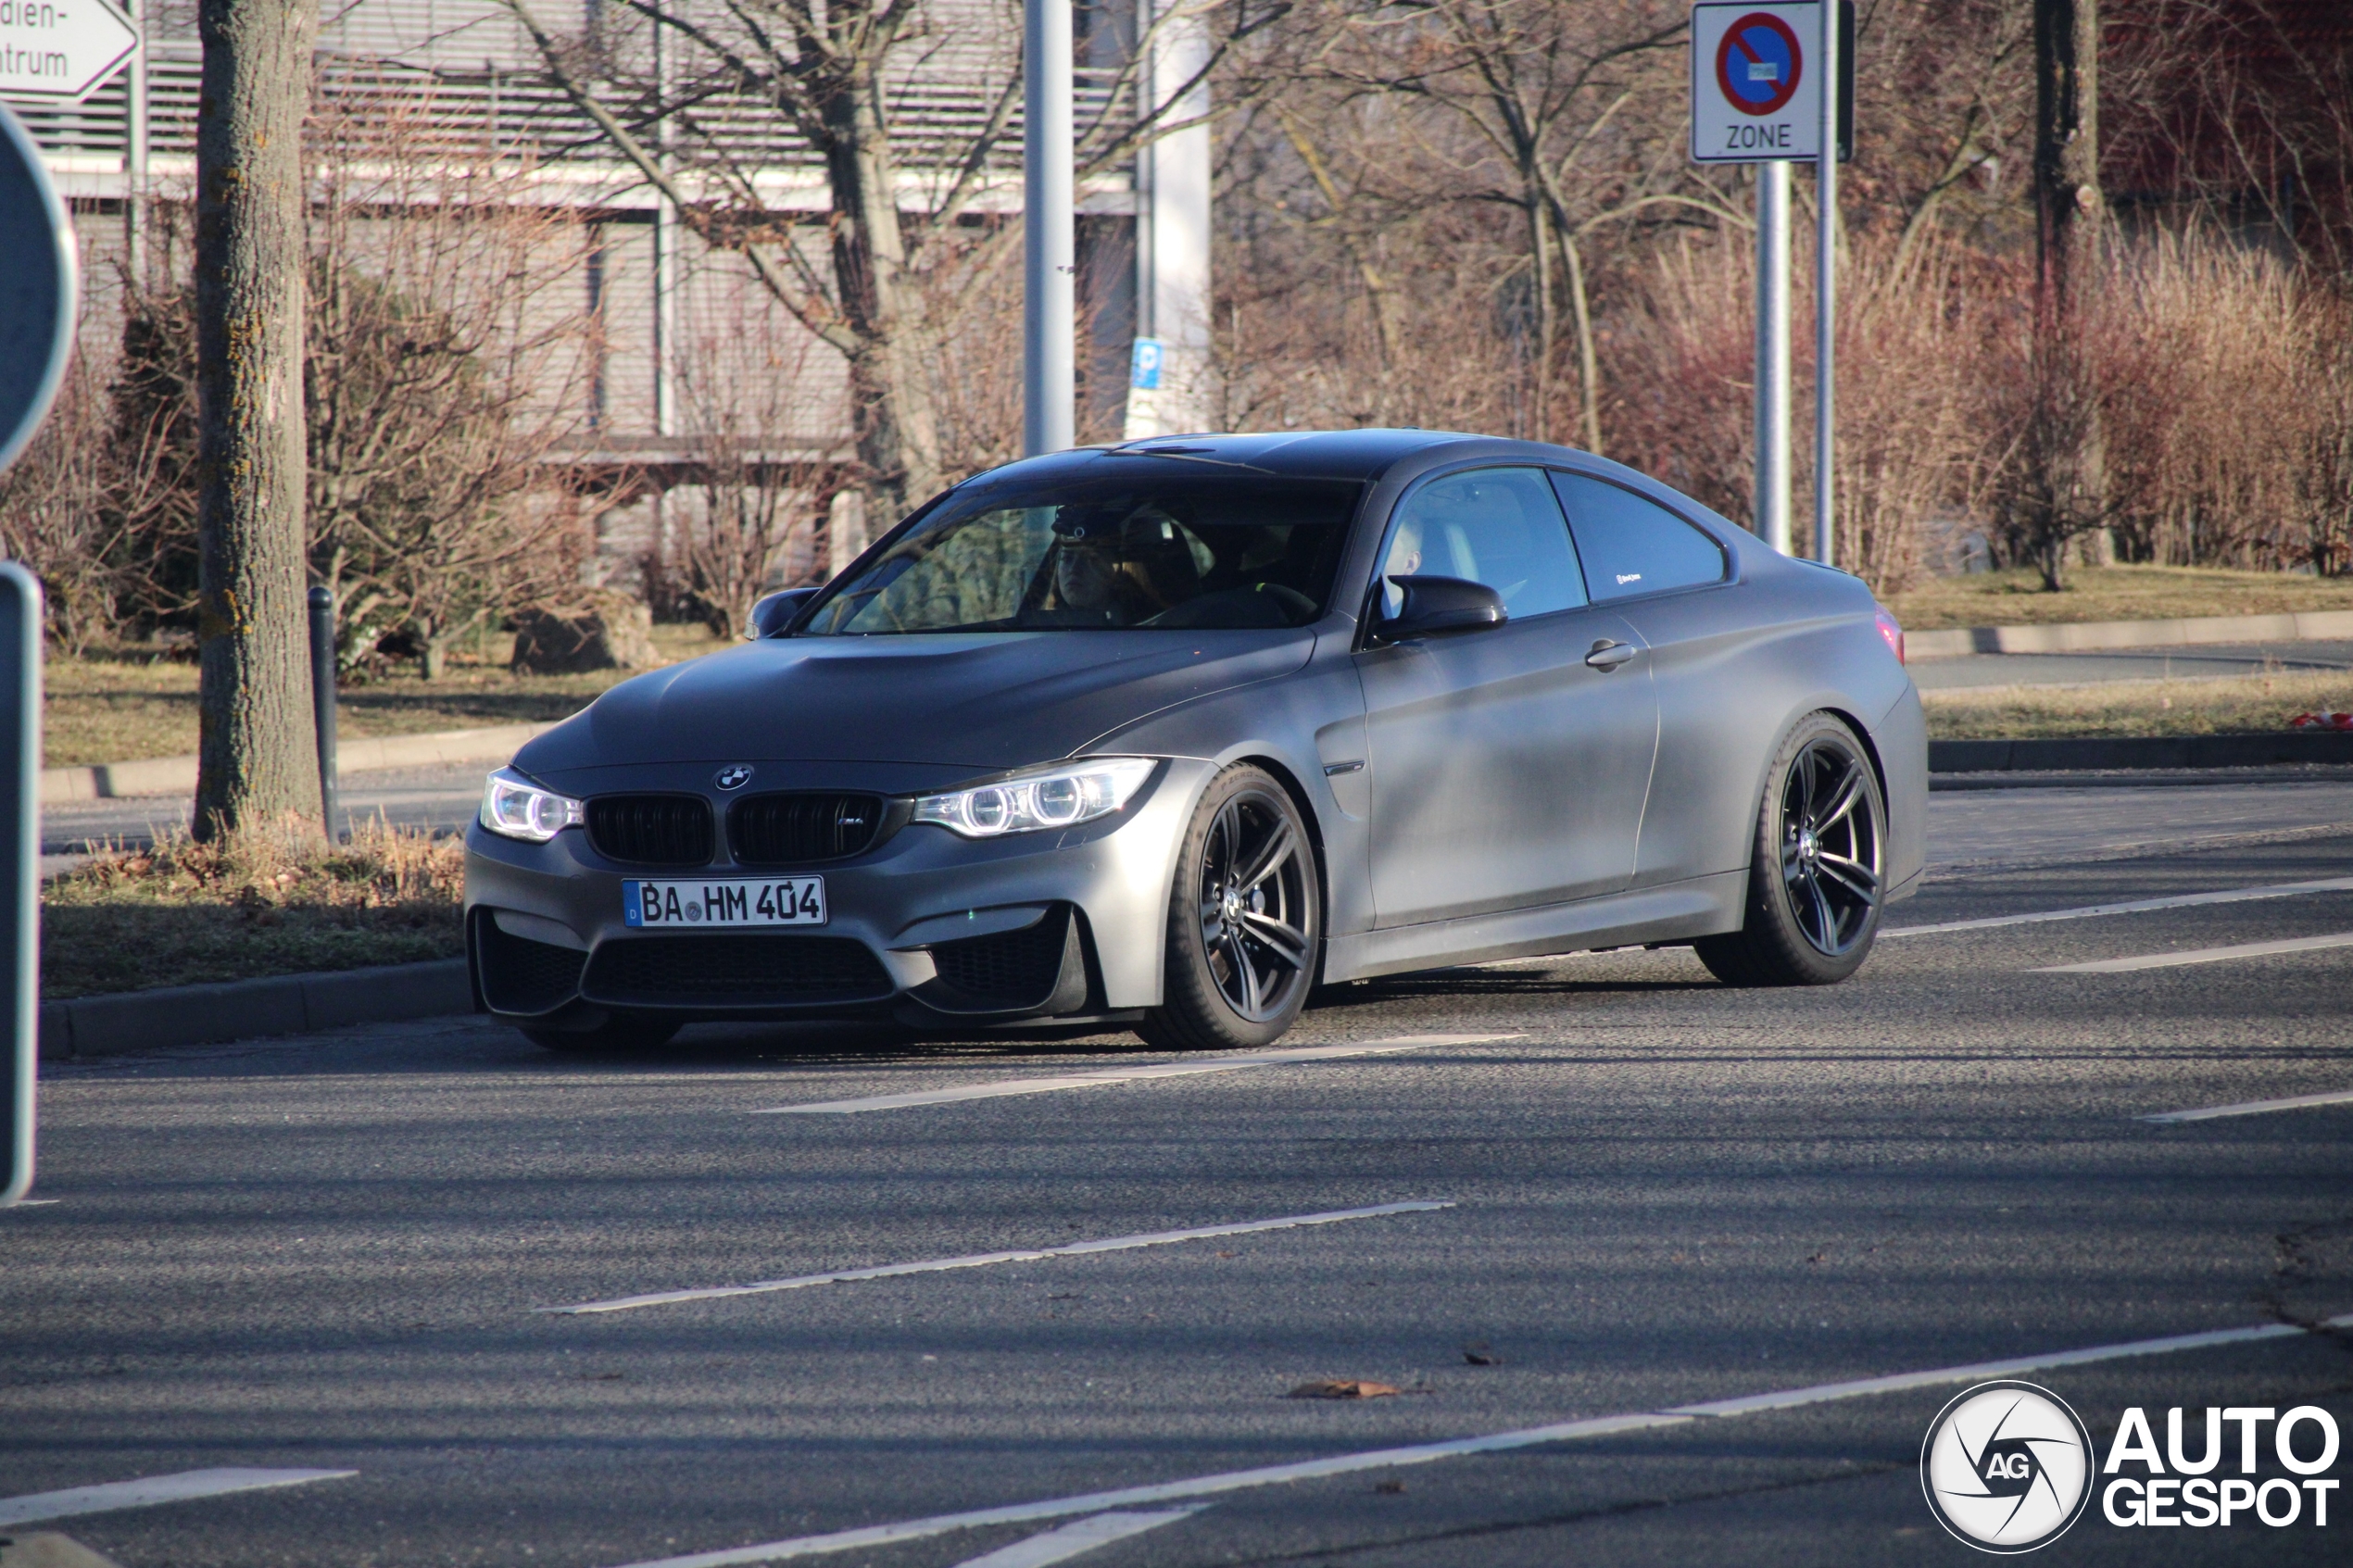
(651, 830)
(732, 970)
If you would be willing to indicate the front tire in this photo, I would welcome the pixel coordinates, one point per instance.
(1245, 920)
(1815, 882)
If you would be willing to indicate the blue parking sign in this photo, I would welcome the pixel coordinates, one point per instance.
(1143, 369)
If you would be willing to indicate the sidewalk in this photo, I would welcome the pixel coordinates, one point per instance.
(2078, 637)
(177, 776)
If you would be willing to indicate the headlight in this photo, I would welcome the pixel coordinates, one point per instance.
(1056, 798)
(515, 808)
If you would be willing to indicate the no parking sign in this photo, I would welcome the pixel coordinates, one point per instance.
(1756, 88)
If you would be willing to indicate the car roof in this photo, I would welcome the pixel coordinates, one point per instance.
(1314, 454)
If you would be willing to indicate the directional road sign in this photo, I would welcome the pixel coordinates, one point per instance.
(38, 279)
(1755, 94)
(60, 48)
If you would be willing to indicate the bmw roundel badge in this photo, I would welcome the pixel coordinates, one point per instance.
(734, 775)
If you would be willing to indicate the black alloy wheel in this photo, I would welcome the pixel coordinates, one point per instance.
(1244, 920)
(1816, 882)
(1830, 844)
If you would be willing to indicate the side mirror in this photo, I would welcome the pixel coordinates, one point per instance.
(1439, 605)
(776, 612)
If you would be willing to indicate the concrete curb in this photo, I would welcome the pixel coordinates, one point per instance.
(177, 776)
(2154, 751)
(2082, 636)
(244, 1010)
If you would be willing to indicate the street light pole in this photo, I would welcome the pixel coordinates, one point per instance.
(1050, 379)
(1769, 502)
(1826, 295)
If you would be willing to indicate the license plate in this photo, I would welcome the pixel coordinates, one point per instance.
(789, 900)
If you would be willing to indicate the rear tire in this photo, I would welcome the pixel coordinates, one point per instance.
(1245, 920)
(615, 1037)
(1815, 880)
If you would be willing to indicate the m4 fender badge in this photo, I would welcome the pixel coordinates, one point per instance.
(733, 776)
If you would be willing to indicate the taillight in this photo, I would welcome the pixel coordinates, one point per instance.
(1891, 632)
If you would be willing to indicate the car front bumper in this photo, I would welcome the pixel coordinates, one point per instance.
(924, 925)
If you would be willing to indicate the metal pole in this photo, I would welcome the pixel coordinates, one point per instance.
(20, 871)
(1049, 371)
(1826, 295)
(135, 153)
(667, 230)
(323, 700)
(1769, 505)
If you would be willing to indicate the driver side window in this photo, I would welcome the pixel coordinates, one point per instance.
(1502, 527)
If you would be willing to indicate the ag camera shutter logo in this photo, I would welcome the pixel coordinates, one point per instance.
(2007, 1467)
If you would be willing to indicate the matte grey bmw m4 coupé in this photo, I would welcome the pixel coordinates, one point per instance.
(1170, 733)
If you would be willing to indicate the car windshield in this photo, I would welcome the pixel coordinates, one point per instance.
(1194, 553)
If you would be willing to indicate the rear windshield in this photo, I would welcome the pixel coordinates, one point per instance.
(1212, 552)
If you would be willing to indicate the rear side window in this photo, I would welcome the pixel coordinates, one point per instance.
(1631, 545)
(1497, 526)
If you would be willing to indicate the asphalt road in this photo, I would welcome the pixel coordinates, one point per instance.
(2129, 664)
(326, 1254)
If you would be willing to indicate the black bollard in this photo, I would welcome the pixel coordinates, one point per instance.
(322, 698)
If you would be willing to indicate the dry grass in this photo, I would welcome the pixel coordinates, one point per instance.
(261, 902)
(2236, 705)
(2116, 592)
(125, 709)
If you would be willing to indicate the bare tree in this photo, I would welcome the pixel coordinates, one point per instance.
(749, 517)
(904, 240)
(442, 373)
(2063, 492)
(1570, 116)
(257, 759)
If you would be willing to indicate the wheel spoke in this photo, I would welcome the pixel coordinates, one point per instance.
(1851, 875)
(1225, 840)
(1287, 943)
(1270, 857)
(1850, 792)
(1248, 1003)
(1828, 941)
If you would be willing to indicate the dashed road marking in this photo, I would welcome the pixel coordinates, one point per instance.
(980, 1260)
(1123, 1076)
(1496, 1442)
(2134, 907)
(2254, 1106)
(1076, 1540)
(2204, 955)
(153, 1489)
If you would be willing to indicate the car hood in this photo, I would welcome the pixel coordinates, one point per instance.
(974, 704)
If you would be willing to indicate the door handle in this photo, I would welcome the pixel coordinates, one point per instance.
(1607, 655)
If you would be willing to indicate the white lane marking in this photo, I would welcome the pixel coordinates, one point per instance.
(1424, 1453)
(2204, 955)
(153, 1489)
(1073, 1540)
(2134, 907)
(978, 1260)
(1123, 1075)
(2254, 1106)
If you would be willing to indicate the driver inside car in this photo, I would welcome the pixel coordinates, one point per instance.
(1129, 569)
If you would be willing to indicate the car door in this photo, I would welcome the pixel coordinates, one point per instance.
(1509, 765)
(1667, 577)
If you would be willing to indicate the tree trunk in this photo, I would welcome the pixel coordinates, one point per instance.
(898, 430)
(2069, 217)
(257, 757)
